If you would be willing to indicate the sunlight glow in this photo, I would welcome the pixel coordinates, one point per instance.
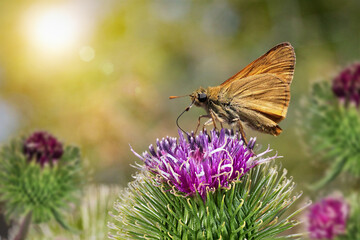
(53, 30)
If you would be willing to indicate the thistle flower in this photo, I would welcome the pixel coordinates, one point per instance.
(332, 132)
(43, 147)
(208, 187)
(32, 185)
(327, 218)
(346, 86)
(203, 163)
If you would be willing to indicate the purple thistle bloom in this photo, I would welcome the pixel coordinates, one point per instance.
(43, 147)
(346, 86)
(327, 218)
(203, 163)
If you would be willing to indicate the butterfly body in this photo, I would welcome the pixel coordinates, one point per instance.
(257, 96)
(230, 108)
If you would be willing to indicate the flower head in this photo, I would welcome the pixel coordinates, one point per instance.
(332, 132)
(43, 147)
(29, 182)
(258, 207)
(201, 163)
(346, 86)
(327, 218)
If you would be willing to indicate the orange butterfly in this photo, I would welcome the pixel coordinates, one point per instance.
(257, 96)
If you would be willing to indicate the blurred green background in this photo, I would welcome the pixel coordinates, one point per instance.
(98, 73)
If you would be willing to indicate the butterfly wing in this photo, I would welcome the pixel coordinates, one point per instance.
(260, 100)
(279, 61)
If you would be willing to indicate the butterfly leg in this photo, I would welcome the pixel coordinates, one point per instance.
(198, 124)
(213, 117)
(242, 132)
(207, 123)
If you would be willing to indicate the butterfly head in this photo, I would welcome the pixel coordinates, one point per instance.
(199, 97)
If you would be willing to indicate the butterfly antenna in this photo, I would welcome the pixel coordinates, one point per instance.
(177, 120)
(173, 97)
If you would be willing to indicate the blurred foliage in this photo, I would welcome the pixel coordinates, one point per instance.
(353, 226)
(90, 219)
(148, 50)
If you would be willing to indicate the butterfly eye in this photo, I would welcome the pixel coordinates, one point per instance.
(202, 97)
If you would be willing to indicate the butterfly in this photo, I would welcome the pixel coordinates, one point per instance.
(258, 96)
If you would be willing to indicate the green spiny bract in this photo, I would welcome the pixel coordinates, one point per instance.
(46, 190)
(254, 208)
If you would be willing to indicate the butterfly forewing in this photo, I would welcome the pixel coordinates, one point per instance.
(280, 61)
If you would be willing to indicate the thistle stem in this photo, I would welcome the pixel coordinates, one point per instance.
(331, 175)
(24, 227)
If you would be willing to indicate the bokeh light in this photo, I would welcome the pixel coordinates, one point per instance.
(107, 67)
(8, 119)
(87, 53)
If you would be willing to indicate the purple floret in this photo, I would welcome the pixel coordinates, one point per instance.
(346, 86)
(202, 163)
(43, 148)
